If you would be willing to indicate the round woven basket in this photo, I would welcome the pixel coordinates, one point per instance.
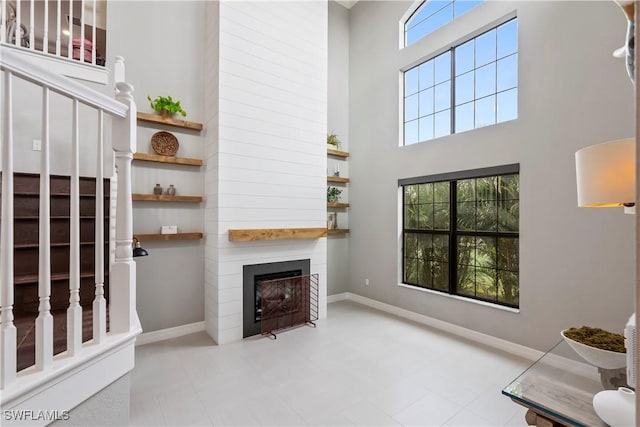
(164, 143)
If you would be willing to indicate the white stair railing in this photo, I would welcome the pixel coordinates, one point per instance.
(124, 324)
(34, 32)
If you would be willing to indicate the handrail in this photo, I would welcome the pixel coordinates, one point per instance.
(14, 63)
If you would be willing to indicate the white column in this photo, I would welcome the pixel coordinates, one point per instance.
(44, 322)
(122, 281)
(74, 312)
(7, 328)
(99, 303)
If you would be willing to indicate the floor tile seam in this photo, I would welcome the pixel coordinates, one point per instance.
(412, 402)
(470, 410)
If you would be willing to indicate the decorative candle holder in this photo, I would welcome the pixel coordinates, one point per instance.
(171, 191)
(157, 190)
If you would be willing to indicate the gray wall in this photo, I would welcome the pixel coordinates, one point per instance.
(576, 265)
(170, 280)
(338, 123)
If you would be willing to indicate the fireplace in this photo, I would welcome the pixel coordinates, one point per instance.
(253, 276)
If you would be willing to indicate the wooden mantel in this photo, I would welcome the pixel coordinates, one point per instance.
(247, 235)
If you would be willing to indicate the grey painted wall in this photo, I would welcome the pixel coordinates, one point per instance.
(338, 123)
(576, 265)
(170, 280)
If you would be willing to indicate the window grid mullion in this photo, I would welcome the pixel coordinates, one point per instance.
(453, 238)
(452, 102)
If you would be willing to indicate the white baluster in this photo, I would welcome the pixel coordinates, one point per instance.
(58, 29)
(45, 36)
(7, 328)
(81, 30)
(3, 21)
(74, 312)
(70, 48)
(122, 281)
(99, 303)
(32, 25)
(118, 70)
(93, 33)
(18, 24)
(44, 322)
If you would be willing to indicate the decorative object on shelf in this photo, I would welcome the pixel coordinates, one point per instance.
(332, 221)
(605, 359)
(333, 194)
(157, 190)
(171, 191)
(138, 250)
(169, 229)
(165, 143)
(336, 170)
(166, 106)
(616, 407)
(332, 139)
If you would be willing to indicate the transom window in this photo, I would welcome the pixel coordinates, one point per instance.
(461, 233)
(471, 85)
(432, 15)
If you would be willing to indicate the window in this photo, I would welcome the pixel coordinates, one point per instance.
(432, 15)
(461, 233)
(472, 85)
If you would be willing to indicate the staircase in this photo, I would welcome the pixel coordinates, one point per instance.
(68, 320)
(26, 254)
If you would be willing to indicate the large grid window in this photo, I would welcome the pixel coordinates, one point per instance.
(432, 15)
(472, 85)
(461, 233)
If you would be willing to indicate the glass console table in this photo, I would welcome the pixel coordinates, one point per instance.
(558, 389)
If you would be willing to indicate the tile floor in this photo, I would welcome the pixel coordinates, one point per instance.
(359, 367)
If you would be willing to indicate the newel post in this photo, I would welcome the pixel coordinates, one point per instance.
(122, 284)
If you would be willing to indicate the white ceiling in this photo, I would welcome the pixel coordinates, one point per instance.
(347, 3)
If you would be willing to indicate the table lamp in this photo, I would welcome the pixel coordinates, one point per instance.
(606, 177)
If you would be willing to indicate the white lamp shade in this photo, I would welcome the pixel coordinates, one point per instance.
(606, 174)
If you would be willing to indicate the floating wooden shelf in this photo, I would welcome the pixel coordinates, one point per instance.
(338, 231)
(337, 205)
(165, 198)
(246, 235)
(337, 153)
(337, 179)
(180, 236)
(156, 118)
(167, 159)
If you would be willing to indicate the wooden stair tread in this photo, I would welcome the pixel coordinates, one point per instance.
(33, 278)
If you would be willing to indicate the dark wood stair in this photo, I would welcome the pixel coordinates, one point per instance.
(26, 257)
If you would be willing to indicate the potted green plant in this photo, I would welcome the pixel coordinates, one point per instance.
(166, 106)
(332, 139)
(333, 194)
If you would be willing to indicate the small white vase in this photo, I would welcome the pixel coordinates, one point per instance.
(616, 407)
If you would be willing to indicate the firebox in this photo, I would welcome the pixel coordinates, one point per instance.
(253, 276)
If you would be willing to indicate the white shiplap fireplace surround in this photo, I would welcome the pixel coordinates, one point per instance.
(266, 119)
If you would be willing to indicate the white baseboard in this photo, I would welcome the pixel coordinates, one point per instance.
(337, 297)
(497, 343)
(165, 334)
